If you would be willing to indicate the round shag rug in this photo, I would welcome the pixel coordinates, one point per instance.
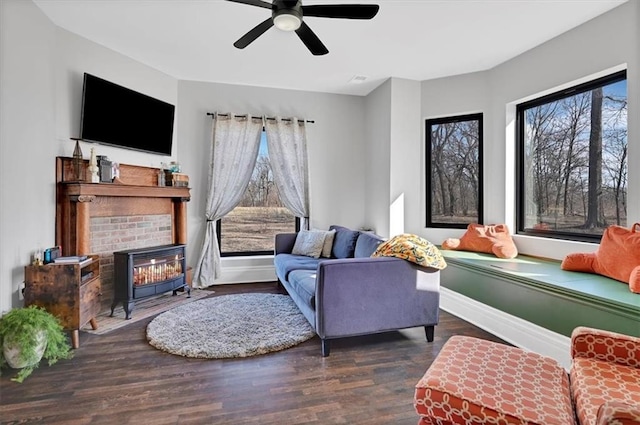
(229, 326)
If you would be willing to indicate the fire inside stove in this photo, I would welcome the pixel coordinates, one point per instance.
(157, 270)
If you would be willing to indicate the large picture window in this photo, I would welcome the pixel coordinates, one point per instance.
(250, 228)
(572, 160)
(454, 171)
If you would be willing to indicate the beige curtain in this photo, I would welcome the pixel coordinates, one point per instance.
(234, 150)
(287, 141)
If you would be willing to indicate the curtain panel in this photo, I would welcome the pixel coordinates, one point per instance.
(287, 142)
(234, 150)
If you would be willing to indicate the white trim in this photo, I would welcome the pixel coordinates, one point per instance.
(511, 329)
(244, 274)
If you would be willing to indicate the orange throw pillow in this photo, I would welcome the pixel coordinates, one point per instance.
(617, 257)
(492, 239)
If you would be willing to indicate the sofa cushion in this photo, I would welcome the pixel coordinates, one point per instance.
(304, 282)
(308, 243)
(344, 243)
(596, 382)
(285, 263)
(367, 244)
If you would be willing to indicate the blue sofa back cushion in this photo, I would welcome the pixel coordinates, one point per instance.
(344, 242)
(367, 244)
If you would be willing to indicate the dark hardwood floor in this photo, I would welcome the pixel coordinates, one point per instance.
(118, 378)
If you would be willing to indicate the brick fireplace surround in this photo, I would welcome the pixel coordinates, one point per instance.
(100, 218)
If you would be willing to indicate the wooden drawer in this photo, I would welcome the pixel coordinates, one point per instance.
(90, 299)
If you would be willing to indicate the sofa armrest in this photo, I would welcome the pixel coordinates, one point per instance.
(284, 243)
(605, 345)
(357, 296)
(616, 413)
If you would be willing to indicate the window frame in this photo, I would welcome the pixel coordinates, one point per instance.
(429, 122)
(520, 136)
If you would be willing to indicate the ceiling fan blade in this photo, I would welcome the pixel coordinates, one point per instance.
(344, 11)
(258, 3)
(311, 40)
(256, 32)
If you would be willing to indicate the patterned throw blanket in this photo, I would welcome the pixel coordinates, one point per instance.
(412, 248)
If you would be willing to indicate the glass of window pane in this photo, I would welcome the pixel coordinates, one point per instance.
(454, 171)
(573, 160)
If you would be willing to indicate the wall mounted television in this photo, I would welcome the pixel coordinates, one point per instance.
(118, 116)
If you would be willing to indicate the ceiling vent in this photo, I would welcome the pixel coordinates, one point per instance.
(357, 79)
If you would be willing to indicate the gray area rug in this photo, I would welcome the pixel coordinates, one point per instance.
(229, 326)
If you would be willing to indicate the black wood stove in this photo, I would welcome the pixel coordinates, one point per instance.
(143, 272)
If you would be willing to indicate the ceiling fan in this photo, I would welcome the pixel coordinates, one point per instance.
(287, 15)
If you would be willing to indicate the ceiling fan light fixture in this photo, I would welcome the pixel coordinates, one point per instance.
(287, 15)
(287, 22)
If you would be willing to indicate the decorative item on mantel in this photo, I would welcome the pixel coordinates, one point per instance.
(93, 167)
(78, 162)
(161, 171)
(105, 169)
(173, 175)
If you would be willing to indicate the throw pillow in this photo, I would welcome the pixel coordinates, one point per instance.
(491, 239)
(329, 236)
(308, 243)
(344, 242)
(617, 257)
(367, 244)
(412, 248)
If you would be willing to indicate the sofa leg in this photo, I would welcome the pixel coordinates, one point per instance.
(429, 331)
(325, 347)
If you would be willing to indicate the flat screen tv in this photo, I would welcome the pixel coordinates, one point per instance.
(118, 116)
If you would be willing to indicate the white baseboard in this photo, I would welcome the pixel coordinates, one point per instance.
(243, 274)
(512, 329)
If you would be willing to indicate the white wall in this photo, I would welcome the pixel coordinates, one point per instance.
(393, 145)
(377, 153)
(335, 143)
(27, 175)
(406, 152)
(74, 56)
(41, 83)
(603, 45)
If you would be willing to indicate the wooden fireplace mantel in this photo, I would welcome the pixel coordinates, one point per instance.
(137, 194)
(107, 189)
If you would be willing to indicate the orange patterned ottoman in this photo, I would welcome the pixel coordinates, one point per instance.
(605, 377)
(473, 381)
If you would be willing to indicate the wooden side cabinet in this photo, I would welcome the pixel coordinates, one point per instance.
(71, 292)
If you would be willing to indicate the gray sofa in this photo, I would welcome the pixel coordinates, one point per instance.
(353, 294)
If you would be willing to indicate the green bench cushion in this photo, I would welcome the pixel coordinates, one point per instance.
(538, 290)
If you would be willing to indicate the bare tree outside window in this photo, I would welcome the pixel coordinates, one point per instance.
(454, 171)
(250, 228)
(573, 160)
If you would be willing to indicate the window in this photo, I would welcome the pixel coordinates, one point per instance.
(572, 160)
(454, 171)
(250, 228)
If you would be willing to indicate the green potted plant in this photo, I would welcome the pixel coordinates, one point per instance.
(29, 334)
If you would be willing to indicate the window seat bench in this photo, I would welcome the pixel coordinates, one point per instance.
(539, 291)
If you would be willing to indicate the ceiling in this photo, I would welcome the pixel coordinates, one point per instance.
(412, 39)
